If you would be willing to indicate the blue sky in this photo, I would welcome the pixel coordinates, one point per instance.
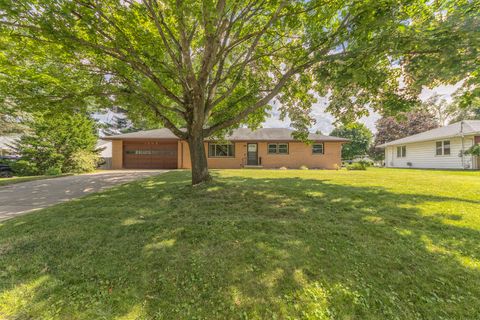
(324, 120)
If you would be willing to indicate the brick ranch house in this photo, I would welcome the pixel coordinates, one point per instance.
(263, 148)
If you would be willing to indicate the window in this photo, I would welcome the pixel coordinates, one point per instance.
(221, 150)
(401, 152)
(443, 148)
(278, 148)
(317, 148)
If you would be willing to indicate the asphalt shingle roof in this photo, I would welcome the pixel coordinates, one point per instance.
(240, 134)
(469, 127)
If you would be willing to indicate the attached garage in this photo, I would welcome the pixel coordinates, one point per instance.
(150, 154)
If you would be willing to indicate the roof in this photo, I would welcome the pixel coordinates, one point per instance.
(240, 134)
(466, 127)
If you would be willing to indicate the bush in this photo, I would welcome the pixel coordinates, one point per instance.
(303, 167)
(365, 163)
(53, 171)
(474, 150)
(24, 168)
(283, 168)
(83, 161)
(357, 166)
(65, 141)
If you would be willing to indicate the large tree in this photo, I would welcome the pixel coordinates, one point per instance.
(360, 139)
(209, 66)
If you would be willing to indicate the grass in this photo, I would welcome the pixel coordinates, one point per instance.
(253, 244)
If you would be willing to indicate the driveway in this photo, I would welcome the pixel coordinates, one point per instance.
(20, 198)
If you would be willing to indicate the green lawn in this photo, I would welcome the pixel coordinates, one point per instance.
(253, 244)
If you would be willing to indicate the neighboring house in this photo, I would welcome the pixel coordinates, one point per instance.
(265, 148)
(5, 144)
(441, 148)
(105, 147)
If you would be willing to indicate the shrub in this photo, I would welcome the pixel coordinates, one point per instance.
(53, 171)
(474, 150)
(303, 167)
(336, 166)
(83, 161)
(357, 166)
(365, 163)
(282, 168)
(54, 141)
(24, 168)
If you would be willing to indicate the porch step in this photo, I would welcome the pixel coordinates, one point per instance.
(252, 166)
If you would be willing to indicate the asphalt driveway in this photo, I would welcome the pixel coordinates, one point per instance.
(20, 198)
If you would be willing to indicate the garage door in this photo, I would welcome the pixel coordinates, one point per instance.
(150, 155)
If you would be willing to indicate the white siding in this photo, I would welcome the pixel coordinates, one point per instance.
(423, 155)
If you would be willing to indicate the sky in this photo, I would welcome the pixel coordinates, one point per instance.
(325, 121)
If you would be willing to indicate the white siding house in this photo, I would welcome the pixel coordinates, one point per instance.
(5, 144)
(441, 148)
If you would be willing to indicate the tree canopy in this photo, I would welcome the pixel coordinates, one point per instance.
(209, 66)
(360, 139)
(404, 125)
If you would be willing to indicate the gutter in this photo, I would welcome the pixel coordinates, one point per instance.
(390, 144)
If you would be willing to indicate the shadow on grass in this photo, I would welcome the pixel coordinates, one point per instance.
(241, 248)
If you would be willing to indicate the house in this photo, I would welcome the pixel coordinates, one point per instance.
(105, 148)
(5, 144)
(264, 148)
(441, 148)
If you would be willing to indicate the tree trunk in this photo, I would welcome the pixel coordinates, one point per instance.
(198, 158)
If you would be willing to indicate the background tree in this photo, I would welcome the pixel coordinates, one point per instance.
(405, 124)
(63, 143)
(360, 139)
(467, 109)
(443, 110)
(210, 66)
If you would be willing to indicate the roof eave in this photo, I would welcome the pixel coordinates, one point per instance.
(393, 143)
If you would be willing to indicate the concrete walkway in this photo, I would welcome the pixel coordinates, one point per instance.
(24, 197)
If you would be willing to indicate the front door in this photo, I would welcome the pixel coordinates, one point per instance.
(252, 154)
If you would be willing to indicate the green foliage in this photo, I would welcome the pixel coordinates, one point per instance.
(474, 150)
(364, 162)
(225, 60)
(83, 161)
(53, 171)
(55, 140)
(24, 168)
(360, 139)
(467, 108)
(362, 165)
